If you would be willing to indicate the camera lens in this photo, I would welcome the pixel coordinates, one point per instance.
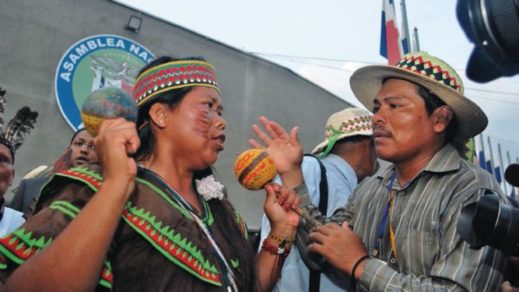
(488, 222)
(493, 27)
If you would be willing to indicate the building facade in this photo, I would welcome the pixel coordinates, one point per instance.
(37, 38)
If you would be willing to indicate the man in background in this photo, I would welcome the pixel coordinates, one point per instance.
(80, 152)
(12, 135)
(344, 159)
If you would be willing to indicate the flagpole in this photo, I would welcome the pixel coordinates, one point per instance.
(501, 169)
(510, 162)
(481, 155)
(406, 46)
(416, 41)
(491, 155)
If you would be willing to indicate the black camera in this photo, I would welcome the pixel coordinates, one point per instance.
(488, 222)
(493, 27)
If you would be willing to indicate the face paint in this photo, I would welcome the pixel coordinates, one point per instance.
(203, 120)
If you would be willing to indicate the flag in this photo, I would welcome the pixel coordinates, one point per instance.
(484, 163)
(390, 43)
(489, 167)
(482, 159)
(405, 40)
(497, 174)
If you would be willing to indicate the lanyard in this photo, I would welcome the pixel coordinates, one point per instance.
(386, 218)
(228, 274)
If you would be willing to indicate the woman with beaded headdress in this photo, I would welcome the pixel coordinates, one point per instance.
(178, 230)
(11, 138)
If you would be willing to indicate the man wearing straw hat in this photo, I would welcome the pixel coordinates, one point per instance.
(346, 157)
(402, 234)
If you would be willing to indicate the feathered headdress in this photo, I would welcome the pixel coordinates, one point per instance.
(14, 133)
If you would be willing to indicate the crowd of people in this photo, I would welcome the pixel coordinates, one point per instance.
(137, 207)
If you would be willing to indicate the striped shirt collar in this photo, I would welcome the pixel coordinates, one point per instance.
(445, 160)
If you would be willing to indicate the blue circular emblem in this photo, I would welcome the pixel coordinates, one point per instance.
(95, 62)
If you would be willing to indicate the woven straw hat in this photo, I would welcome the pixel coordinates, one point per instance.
(431, 73)
(346, 123)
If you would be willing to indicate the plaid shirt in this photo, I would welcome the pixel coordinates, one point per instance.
(431, 256)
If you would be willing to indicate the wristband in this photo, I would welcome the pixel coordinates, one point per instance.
(355, 266)
(279, 240)
(280, 250)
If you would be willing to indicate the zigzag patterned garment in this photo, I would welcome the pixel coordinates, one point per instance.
(157, 245)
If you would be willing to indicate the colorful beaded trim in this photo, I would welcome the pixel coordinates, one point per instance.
(91, 178)
(433, 68)
(173, 75)
(171, 244)
(20, 245)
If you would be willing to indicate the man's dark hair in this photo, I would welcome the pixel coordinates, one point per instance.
(355, 139)
(351, 139)
(432, 102)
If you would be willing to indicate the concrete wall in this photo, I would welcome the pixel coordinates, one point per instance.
(35, 34)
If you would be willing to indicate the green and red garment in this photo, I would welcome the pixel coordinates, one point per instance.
(156, 245)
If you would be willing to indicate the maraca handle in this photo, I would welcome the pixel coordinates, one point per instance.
(304, 214)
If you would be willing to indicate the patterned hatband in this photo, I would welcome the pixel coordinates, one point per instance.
(351, 126)
(173, 75)
(430, 73)
(431, 67)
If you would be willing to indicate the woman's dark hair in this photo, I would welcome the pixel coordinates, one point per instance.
(223, 212)
(171, 98)
(225, 219)
(75, 134)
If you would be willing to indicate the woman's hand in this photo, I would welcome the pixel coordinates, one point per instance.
(283, 148)
(81, 248)
(117, 139)
(279, 207)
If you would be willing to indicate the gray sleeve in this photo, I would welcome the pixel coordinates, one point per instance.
(311, 217)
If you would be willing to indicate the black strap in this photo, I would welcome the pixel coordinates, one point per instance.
(315, 276)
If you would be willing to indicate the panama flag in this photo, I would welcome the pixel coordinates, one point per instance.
(390, 45)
